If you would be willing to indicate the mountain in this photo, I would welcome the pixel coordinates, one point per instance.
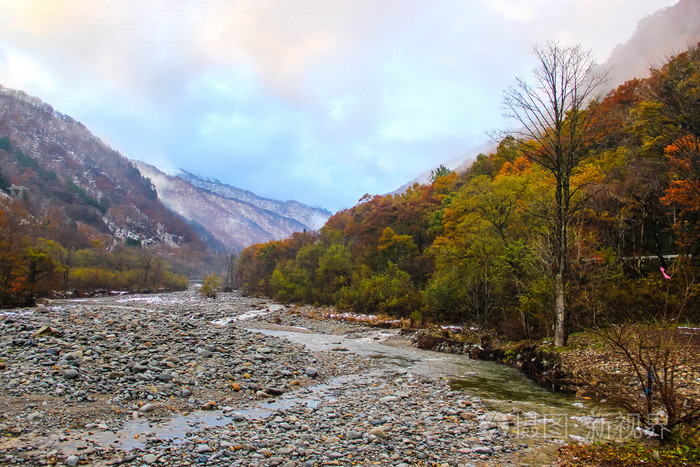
(231, 218)
(312, 218)
(54, 170)
(658, 37)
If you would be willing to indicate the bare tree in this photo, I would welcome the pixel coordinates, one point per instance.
(556, 126)
(653, 359)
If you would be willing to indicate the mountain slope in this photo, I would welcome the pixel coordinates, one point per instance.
(63, 173)
(658, 37)
(235, 218)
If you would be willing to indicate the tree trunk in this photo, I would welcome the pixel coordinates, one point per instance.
(562, 199)
(560, 311)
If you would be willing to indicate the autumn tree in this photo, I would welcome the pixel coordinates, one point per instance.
(440, 171)
(684, 189)
(556, 126)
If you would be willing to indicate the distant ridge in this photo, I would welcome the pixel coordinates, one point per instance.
(232, 218)
(312, 218)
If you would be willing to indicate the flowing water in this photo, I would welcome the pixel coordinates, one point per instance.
(531, 413)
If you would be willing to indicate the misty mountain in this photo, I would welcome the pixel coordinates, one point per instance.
(658, 37)
(228, 217)
(59, 174)
(312, 218)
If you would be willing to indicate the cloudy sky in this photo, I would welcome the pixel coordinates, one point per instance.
(320, 101)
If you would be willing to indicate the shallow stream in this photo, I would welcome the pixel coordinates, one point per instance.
(536, 412)
(536, 417)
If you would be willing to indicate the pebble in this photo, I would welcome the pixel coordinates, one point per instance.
(147, 408)
(116, 359)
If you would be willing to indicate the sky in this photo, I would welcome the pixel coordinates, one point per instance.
(320, 101)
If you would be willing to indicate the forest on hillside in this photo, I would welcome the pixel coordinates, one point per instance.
(479, 248)
(53, 237)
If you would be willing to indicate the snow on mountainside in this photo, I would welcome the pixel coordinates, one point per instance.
(312, 218)
(658, 37)
(235, 218)
(68, 175)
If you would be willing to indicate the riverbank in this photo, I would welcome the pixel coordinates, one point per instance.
(573, 369)
(174, 379)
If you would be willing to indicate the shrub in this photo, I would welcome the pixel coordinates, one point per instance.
(210, 285)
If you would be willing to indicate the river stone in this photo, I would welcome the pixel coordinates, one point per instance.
(378, 432)
(147, 408)
(210, 405)
(149, 459)
(311, 372)
(70, 374)
(44, 330)
(72, 460)
(483, 450)
(353, 434)
(202, 448)
(164, 377)
(488, 425)
(500, 417)
(138, 369)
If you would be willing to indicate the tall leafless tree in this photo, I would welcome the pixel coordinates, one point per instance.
(556, 125)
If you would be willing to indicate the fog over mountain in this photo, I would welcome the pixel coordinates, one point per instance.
(658, 36)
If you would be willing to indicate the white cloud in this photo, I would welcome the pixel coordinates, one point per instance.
(20, 72)
(315, 100)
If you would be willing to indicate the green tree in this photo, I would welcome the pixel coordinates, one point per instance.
(440, 171)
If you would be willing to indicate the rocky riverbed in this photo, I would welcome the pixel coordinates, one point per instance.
(177, 380)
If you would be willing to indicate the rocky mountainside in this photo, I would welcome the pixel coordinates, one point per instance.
(232, 218)
(658, 37)
(312, 218)
(55, 170)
